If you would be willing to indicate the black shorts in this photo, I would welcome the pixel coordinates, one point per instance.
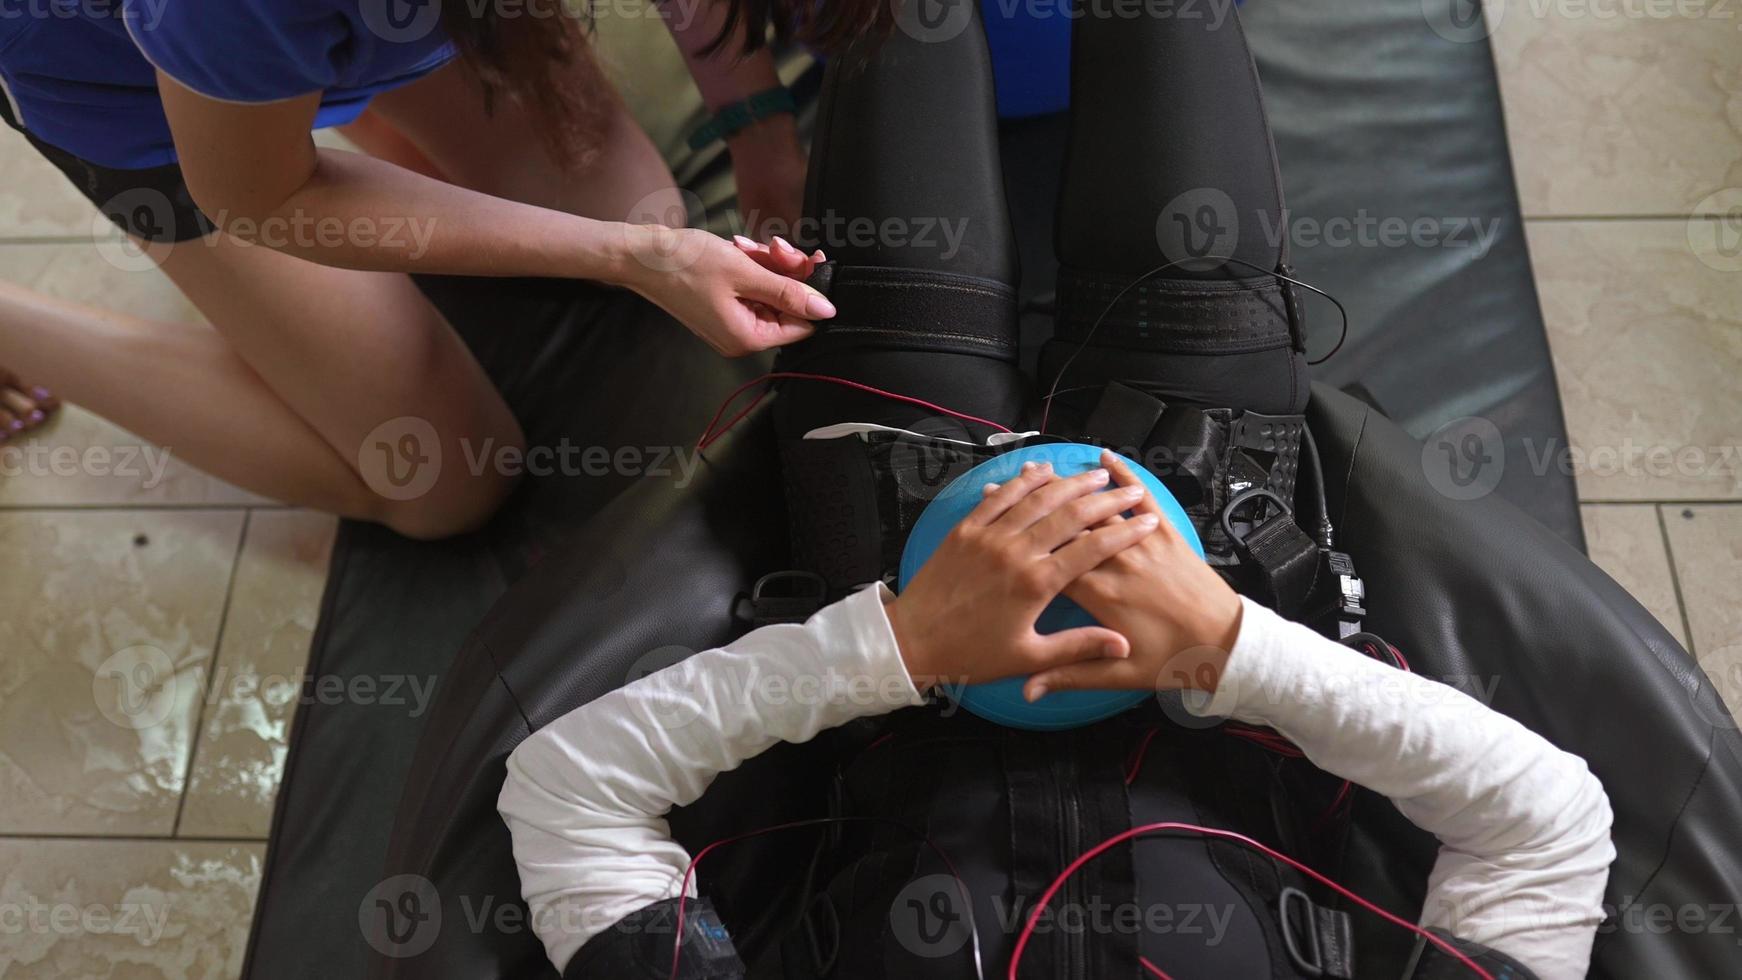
(153, 204)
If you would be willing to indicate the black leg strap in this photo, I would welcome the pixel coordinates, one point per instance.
(917, 309)
(1178, 316)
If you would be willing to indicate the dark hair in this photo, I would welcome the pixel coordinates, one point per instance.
(828, 26)
(540, 55)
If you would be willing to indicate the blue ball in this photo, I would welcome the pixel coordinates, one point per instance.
(1002, 701)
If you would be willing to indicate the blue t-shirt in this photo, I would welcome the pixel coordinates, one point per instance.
(80, 73)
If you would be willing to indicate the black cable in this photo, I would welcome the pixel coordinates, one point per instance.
(1310, 449)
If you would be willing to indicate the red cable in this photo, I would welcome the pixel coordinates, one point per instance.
(1117, 839)
(709, 435)
(1152, 968)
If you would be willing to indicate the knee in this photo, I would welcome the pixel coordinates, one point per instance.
(455, 508)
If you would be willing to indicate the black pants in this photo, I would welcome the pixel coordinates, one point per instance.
(1170, 161)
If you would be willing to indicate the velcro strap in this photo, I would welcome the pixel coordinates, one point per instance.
(639, 946)
(1124, 416)
(1176, 316)
(916, 309)
(1195, 444)
(1287, 562)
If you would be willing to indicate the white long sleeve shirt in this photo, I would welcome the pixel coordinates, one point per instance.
(1524, 827)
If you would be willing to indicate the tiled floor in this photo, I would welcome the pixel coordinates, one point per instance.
(153, 622)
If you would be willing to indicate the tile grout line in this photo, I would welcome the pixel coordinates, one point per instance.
(1556, 218)
(129, 839)
(1658, 502)
(212, 675)
(1675, 582)
(135, 508)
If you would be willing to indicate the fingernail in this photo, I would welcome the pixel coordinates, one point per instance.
(1148, 520)
(819, 256)
(1130, 493)
(783, 244)
(818, 307)
(40, 393)
(16, 425)
(1037, 692)
(1099, 476)
(1113, 649)
(1044, 467)
(743, 242)
(1029, 467)
(989, 488)
(37, 416)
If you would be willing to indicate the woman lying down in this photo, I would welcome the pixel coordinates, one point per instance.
(1515, 891)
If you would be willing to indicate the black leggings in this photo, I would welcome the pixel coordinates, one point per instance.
(1170, 160)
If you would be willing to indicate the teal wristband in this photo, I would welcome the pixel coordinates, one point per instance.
(739, 116)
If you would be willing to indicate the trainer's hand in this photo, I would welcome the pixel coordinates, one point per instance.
(724, 296)
(1181, 618)
(969, 614)
(780, 255)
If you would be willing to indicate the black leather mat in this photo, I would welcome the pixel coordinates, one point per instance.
(1377, 117)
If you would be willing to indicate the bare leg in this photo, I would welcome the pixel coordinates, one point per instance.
(377, 137)
(616, 175)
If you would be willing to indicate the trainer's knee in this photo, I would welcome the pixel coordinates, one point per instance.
(451, 507)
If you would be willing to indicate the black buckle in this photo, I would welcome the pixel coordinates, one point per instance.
(1328, 936)
(1242, 499)
(790, 596)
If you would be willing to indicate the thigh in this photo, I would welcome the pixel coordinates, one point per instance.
(613, 170)
(362, 357)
